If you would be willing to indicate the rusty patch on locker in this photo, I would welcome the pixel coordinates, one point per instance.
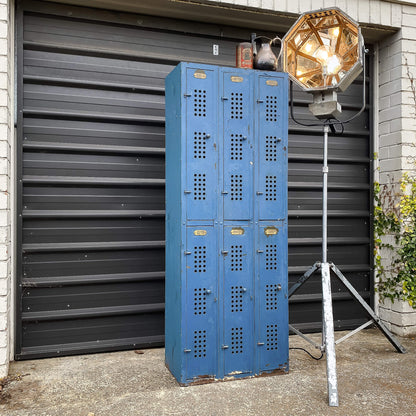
(272, 82)
(236, 79)
(271, 231)
(200, 74)
(237, 231)
(200, 232)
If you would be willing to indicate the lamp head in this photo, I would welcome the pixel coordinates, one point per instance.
(323, 51)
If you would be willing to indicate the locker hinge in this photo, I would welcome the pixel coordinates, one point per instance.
(260, 343)
(186, 350)
(224, 347)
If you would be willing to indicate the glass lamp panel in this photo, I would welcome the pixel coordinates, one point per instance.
(305, 65)
(310, 46)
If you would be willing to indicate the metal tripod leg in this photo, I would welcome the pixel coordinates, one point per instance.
(396, 344)
(328, 337)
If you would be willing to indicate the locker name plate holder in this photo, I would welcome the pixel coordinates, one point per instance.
(237, 231)
(272, 82)
(237, 79)
(200, 232)
(271, 231)
(199, 74)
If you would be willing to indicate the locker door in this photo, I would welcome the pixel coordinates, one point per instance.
(201, 343)
(271, 192)
(238, 145)
(238, 301)
(201, 144)
(272, 325)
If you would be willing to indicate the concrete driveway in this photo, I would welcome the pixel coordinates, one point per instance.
(373, 380)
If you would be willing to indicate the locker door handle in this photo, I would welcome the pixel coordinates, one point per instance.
(186, 192)
(224, 98)
(224, 192)
(260, 343)
(186, 350)
(260, 251)
(244, 138)
(207, 136)
(279, 287)
(187, 95)
(243, 290)
(187, 253)
(208, 292)
(224, 347)
(224, 252)
(259, 193)
(278, 140)
(260, 101)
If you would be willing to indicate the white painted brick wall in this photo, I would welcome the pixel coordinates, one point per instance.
(397, 150)
(6, 61)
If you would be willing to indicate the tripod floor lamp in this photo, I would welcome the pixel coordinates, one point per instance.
(323, 53)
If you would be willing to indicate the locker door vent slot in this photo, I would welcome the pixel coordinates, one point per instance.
(271, 257)
(199, 145)
(200, 259)
(237, 340)
(237, 105)
(271, 188)
(237, 298)
(271, 149)
(200, 99)
(200, 301)
(236, 147)
(271, 338)
(200, 184)
(237, 258)
(271, 108)
(200, 344)
(271, 297)
(236, 187)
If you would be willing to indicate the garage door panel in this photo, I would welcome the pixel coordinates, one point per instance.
(82, 100)
(60, 199)
(92, 69)
(92, 135)
(46, 338)
(92, 229)
(77, 297)
(59, 265)
(346, 202)
(98, 166)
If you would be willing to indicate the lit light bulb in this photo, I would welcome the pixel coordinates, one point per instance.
(333, 65)
(331, 62)
(299, 72)
(335, 32)
(308, 47)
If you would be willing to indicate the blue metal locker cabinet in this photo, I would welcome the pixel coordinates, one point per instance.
(226, 223)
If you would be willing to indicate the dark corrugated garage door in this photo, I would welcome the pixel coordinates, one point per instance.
(91, 180)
